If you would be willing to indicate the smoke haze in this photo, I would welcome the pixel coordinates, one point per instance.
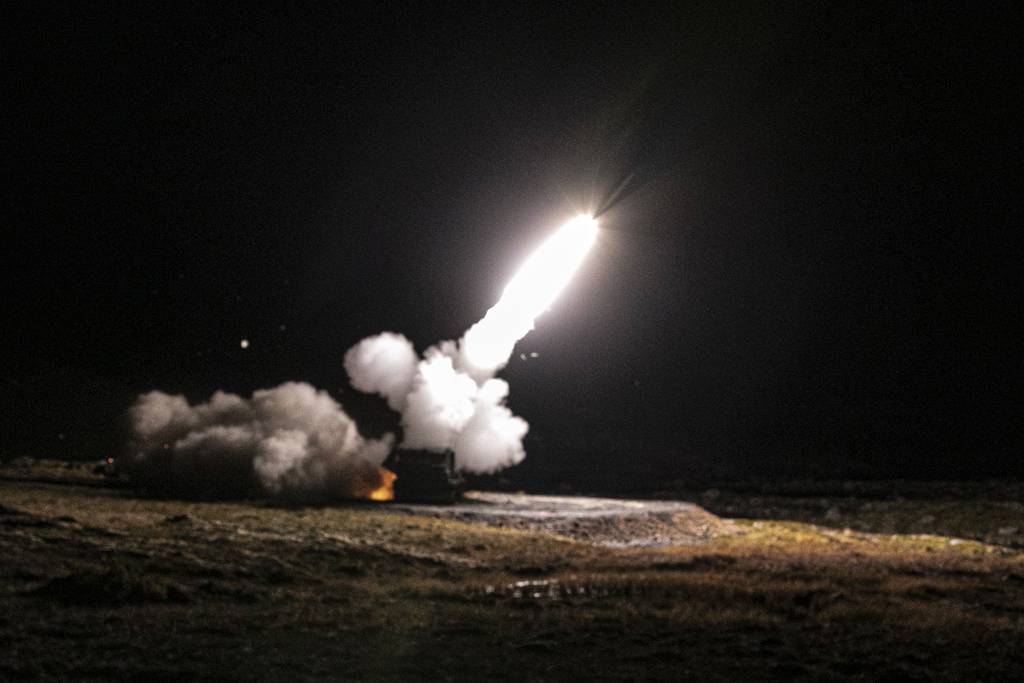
(291, 442)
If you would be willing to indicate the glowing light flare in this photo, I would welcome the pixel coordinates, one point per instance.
(386, 491)
(548, 270)
(488, 344)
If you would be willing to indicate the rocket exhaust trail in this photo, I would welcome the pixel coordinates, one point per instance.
(450, 398)
(488, 344)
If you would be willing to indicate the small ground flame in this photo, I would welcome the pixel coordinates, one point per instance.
(386, 491)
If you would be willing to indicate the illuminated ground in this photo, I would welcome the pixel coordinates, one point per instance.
(98, 584)
(607, 522)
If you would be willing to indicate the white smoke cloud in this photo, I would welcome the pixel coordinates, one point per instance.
(440, 403)
(290, 442)
(493, 438)
(448, 405)
(385, 365)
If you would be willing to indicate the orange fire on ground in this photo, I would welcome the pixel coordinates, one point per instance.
(386, 491)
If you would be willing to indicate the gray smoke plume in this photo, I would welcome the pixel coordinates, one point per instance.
(291, 442)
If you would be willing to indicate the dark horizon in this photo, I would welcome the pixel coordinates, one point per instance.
(814, 269)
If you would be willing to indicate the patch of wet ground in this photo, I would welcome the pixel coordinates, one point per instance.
(608, 522)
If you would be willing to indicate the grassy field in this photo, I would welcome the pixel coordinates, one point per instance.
(100, 584)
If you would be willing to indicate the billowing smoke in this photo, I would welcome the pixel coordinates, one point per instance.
(295, 442)
(385, 365)
(291, 442)
(445, 406)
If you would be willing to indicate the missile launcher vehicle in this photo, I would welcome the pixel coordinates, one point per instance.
(426, 477)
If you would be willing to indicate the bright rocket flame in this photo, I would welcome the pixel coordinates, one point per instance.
(549, 269)
(488, 344)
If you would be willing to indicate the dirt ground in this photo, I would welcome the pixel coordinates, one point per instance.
(99, 584)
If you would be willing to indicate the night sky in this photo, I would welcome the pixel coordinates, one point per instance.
(814, 268)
